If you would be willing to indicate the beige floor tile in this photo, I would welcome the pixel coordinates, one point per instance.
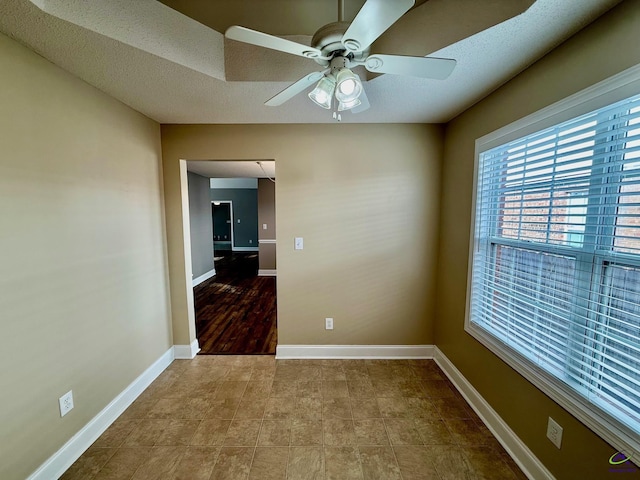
(146, 433)
(357, 374)
(486, 464)
(251, 408)
(196, 464)
(332, 373)
(394, 407)
(335, 389)
(415, 464)
(306, 432)
(342, 463)
(282, 388)
(263, 373)
(160, 463)
(309, 388)
(279, 408)
(309, 408)
(192, 408)
(360, 387)
(336, 408)
(178, 433)
(422, 407)
(450, 462)
(116, 434)
(211, 432)
(379, 463)
(124, 463)
(185, 388)
(438, 389)
(230, 389)
(258, 389)
(465, 431)
(452, 408)
(234, 417)
(402, 431)
(275, 433)
(233, 463)
(89, 463)
(365, 408)
(306, 463)
(242, 433)
(433, 432)
(269, 463)
(338, 432)
(138, 410)
(238, 374)
(410, 387)
(386, 388)
(370, 431)
(222, 408)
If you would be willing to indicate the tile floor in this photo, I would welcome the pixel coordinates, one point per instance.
(252, 417)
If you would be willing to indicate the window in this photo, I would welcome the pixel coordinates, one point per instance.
(555, 282)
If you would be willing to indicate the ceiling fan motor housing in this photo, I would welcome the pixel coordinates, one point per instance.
(328, 39)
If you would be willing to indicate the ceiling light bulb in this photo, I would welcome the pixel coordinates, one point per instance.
(349, 86)
(322, 95)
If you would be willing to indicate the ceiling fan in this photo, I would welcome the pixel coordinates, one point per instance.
(340, 46)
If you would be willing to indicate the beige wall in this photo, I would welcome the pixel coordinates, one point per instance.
(603, 49)
(267, 216)
(83, 273)
(365, 200)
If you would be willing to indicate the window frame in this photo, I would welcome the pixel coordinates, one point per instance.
(609, 91)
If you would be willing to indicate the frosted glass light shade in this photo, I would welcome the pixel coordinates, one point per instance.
(348, 86)
(348, 105)
(322, 95)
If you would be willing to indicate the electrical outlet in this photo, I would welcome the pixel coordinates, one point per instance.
(66, 403)
(554, 432)
(328, 323)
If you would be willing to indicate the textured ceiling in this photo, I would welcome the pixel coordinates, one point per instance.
(175, 69)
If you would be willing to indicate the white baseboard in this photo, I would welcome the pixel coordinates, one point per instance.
(186, 352)
(267, 273)
(516, 448)
(60, 461)
(203, 277)
(245, 249)
(354, 351)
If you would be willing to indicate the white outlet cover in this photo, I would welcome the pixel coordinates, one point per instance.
(66, 403)
(328, 323)
(554, 432)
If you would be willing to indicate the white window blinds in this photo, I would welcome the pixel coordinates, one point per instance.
(556, 260)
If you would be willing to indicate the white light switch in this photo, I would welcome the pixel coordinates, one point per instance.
(264, 226)
(298, 243)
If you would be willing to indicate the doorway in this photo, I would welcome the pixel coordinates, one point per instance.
(222, 220)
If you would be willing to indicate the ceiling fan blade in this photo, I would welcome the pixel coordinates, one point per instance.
(424, 67)
(373, 19)
(246, 35)
(295, 88)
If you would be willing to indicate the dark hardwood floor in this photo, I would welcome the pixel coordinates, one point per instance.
(236, 309)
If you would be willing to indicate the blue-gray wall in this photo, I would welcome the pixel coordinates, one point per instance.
(200, 225)
(245, 209)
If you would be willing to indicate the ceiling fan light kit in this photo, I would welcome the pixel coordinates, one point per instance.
(338, 47)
